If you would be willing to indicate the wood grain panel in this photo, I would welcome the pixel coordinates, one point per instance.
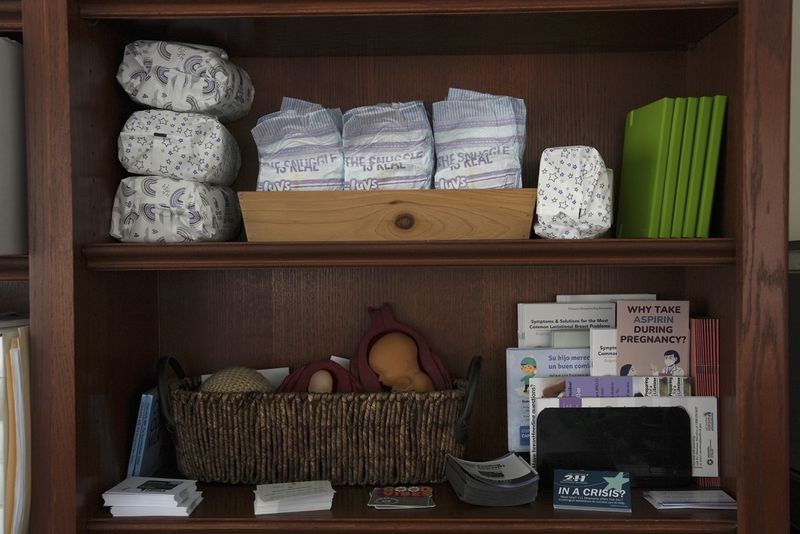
(51, 267)
(644, 252)
(388, 215)
(762, 390)
(155, 8)
(278, 317)
(441, 34)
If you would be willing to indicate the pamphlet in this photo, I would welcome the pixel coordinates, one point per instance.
(605, 491)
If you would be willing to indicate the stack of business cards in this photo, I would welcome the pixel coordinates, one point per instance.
(401, 497)
(293, 497)
(149, 496)
(682, 499)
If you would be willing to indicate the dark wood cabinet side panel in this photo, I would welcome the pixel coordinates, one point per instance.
(571, 99)
(762, 390)
(290, 317)
(51, 269)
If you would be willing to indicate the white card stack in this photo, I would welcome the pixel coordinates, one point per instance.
(149, 496)
(293, 497)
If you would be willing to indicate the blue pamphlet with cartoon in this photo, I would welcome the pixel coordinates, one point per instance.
(603, 491)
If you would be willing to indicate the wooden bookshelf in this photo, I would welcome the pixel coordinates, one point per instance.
(102, 313)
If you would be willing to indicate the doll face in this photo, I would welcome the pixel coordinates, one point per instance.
(394, 359)
(320, 382)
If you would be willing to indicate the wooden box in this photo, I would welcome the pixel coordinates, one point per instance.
(388, 215)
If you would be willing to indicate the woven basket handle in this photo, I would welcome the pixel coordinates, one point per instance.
(163, 389)
(472, 384)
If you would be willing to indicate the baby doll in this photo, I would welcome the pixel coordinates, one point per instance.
(394, 359)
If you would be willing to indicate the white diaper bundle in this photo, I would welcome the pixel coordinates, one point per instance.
(388, 146)
(477, 144)
(185, 77)
(299, 148)
(187, 157)
(156, 209)
(186, 146)
(517, 104)
(574, 200)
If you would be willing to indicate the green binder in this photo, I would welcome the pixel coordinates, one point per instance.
(671, 173)
(711, 165)
(644, 162)
(683, 167)
(698, 164)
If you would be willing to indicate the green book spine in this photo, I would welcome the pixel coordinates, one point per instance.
(683, 167)
(711, 165)
(671, 173)
(644, 161)
(698, 164)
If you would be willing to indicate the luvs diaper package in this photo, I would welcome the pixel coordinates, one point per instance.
(299, 151)
(477, 144)
(388, 146)
(517, 104)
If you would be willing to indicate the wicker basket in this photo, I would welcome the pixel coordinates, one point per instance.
(347, 438)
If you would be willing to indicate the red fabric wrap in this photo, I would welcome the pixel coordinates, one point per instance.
(343, 381)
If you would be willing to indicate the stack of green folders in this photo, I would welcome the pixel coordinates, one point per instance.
(669, 167)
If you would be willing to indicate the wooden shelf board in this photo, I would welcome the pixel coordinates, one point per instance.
(230, 509)
(11, 16)
(13, 268)
(242, 8)
(243, 255)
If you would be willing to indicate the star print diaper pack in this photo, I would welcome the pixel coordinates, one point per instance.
(185, 77)
(186, 146)
(575, 197)
(166, 210)
(186, 157)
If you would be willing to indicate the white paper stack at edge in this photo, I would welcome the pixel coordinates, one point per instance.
(293, 497)
(149, 496)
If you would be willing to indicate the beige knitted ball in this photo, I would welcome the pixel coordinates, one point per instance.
(236, 380)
